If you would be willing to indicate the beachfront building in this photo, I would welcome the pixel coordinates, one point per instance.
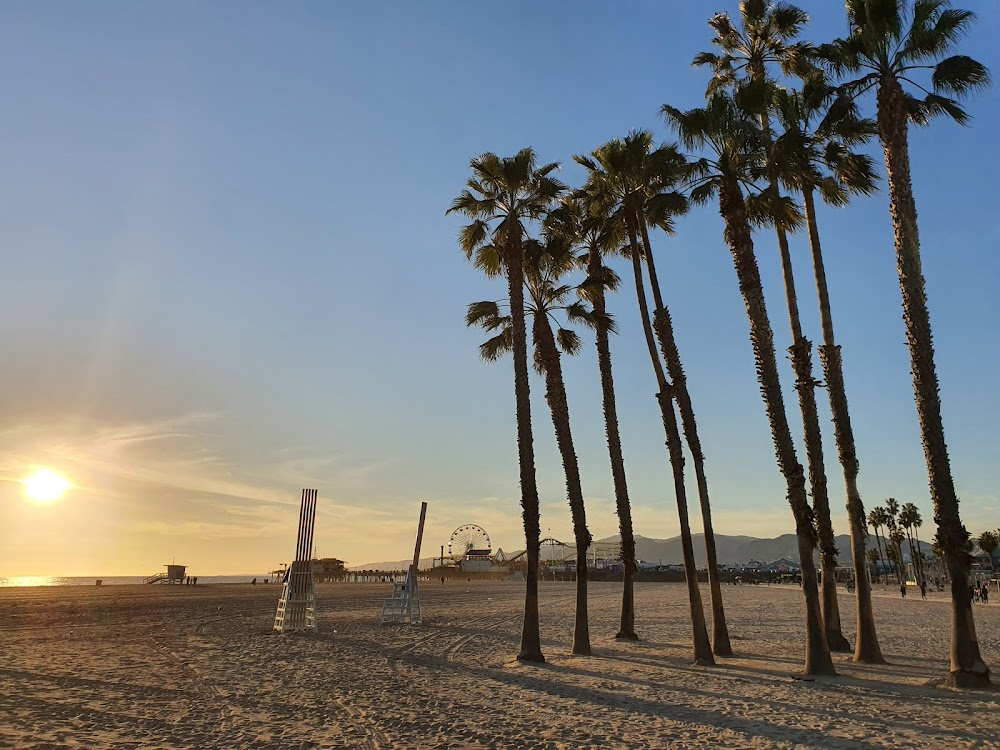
(328, 569)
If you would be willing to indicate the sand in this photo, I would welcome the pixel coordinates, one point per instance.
(198, 667)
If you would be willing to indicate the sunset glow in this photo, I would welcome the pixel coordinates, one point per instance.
(45, 485)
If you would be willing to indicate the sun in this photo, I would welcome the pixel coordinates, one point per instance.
(45, 485)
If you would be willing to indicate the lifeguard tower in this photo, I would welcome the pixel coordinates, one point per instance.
(404, 604)
(175, 574)
(297, 605)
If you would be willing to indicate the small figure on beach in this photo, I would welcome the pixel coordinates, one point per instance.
(923, 588)
(984, 594)
(253, 582)
(902, 589)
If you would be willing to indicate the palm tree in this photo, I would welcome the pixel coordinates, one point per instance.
(916, 521)
(872, 556)
(988, 543)
(627, 176)
(819, 129)
(544, 266)
(889, 43)
(891, 524)
(503, 195)
(907, 516)
(876, 518)
(736, 148)
(595, 234)
(765, 36)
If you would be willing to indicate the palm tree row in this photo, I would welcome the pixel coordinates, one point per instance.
(775, 124)
(895, 524)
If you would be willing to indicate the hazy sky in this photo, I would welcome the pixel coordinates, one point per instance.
(228, 275)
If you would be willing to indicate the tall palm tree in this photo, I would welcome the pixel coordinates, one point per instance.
(909, 518)
(872, 556)
(892, 525)
(623, 174)
(735, 148)
(821, 128)
(502, 196)
(596, 236)
(890, 42)
(876, 518)
(765, 37)
(906, 519)
(544, 267)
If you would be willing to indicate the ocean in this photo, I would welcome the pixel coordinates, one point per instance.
(116, 580)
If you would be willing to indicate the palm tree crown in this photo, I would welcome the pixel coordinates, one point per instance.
(766, 35)
(889, 39)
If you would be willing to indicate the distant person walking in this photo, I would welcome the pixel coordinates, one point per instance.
(902, 589)
(923, 588)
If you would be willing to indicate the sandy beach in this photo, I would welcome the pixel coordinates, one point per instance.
(198, 667)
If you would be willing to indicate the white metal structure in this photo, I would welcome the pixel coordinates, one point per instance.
(404, 604)
(297, 606)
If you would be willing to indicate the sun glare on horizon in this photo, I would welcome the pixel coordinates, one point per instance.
(45, 485)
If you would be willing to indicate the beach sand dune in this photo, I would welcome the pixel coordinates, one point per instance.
(198, 667)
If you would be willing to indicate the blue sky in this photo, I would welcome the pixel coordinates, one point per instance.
(228, 275)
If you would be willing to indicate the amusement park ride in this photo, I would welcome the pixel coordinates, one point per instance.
(470, 550)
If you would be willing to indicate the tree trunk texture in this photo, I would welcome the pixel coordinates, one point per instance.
(805, 385)
(531, 643)
(967, 666)
(867, 648)
(702, 649)
(626, 629)
(733, 210)
(555, 396)
(664, 328)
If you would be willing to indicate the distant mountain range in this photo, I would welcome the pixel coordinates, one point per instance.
(730, 550)
(738, 549)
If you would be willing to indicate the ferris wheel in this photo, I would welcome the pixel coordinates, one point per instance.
(469, 538)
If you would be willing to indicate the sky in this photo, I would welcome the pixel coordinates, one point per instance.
(228, 275)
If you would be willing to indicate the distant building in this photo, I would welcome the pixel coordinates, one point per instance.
(782, 565)
(328, 569)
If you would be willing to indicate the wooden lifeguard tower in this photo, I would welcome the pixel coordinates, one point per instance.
(175, 574)
(404, 604)
(297, 605)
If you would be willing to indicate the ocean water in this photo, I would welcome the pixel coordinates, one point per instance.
(115, 580)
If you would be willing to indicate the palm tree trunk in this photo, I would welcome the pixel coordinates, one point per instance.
(967, 665)
(867, 649)
(555, 396)
(702, 648)
(665, 333)
(878, 542)
(733, 210)
(626, 629)
(531, 644)
(805, 385)
(920, 554)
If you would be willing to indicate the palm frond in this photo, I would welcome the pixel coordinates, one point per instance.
(922, 111)
(788, 21)
(489, 259)
(569, 342)
(485, 314)
(769, 208)
(472, 236)
(494, 348)
(960, 75)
